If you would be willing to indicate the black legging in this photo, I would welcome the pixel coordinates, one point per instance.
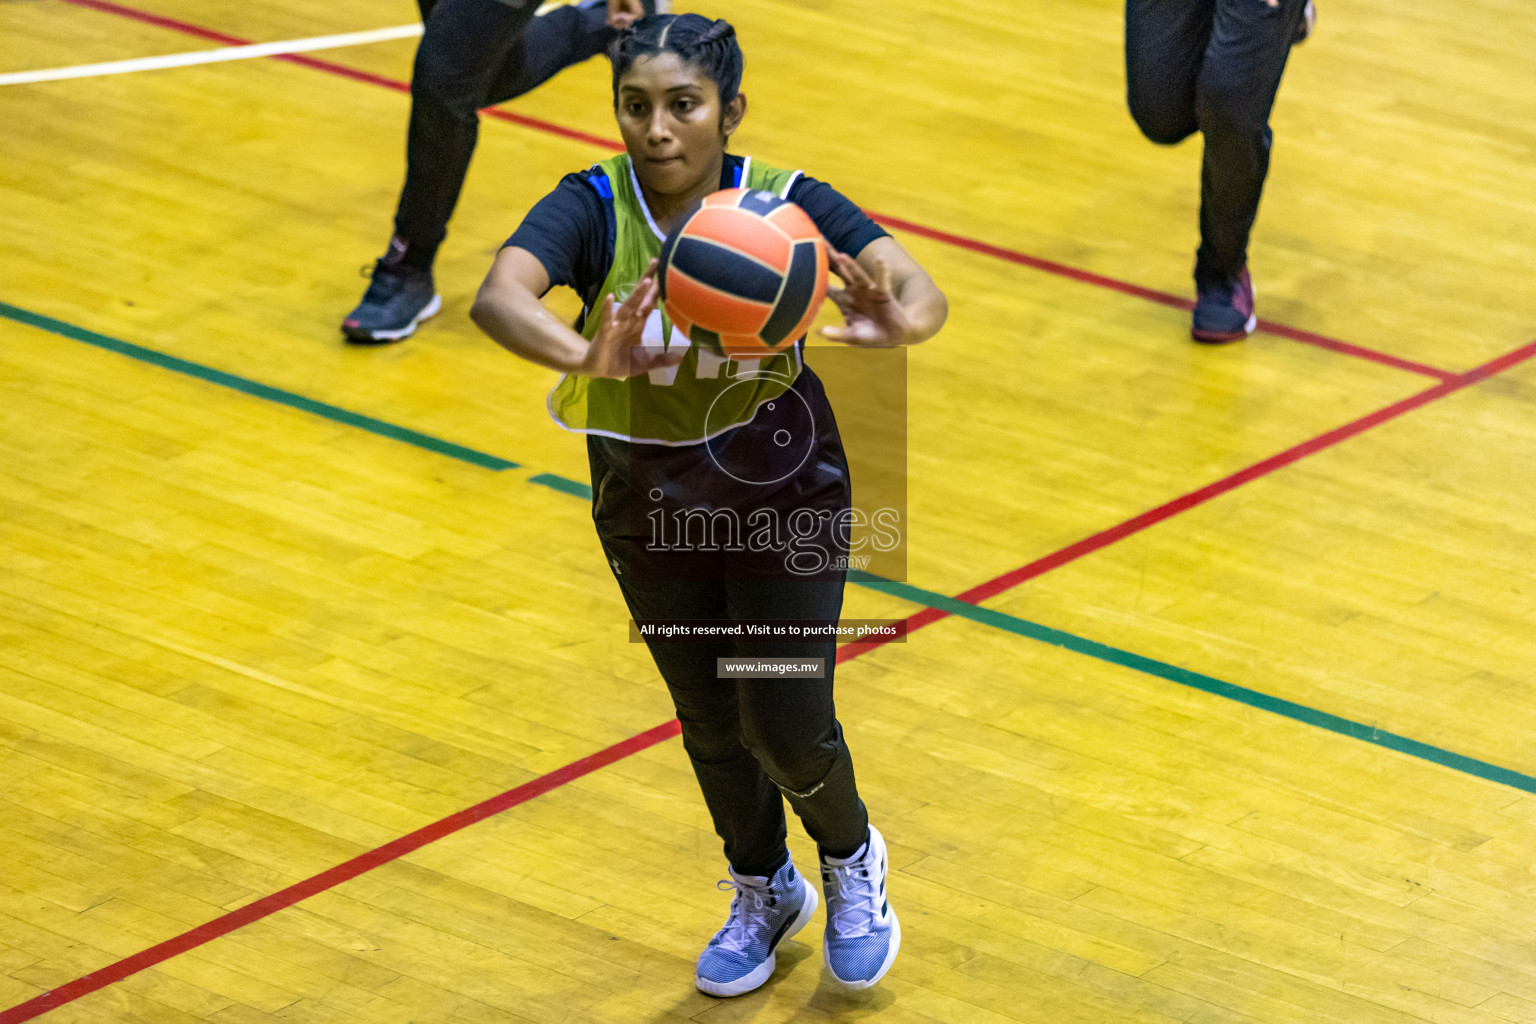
(1212, 66)
(473, 54)
(749, 739)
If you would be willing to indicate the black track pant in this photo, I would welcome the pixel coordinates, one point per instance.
(750, 740)
(475, 53)
(1212, 66)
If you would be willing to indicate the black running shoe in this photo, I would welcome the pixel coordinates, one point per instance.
(1223, 309)
(399, 298)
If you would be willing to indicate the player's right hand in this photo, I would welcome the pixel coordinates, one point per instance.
(616, 351)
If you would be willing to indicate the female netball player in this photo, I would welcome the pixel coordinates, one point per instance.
(658, 440)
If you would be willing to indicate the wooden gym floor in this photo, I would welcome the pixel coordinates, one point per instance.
(1231, 722)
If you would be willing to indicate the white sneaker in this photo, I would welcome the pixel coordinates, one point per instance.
(862, 932)
(765, 912)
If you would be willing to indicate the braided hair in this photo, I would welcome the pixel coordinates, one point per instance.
(700, 42)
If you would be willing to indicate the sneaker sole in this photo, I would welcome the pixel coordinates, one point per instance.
(890, 958)
(750, 982)
(1219, 337)
(361, 337)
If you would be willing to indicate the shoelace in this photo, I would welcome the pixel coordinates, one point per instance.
(382, 283)
(859, 907)
(745, 922)
(387, 278)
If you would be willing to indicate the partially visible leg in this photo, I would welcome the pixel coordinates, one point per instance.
(1239, 78)
(552, 42)
(1165, 41)
(743, 802)
(773, 901)
(464, 47)
(746, 807)
(791, 724)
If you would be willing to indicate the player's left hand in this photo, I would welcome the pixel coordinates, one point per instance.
(873, 317)
(624, 13)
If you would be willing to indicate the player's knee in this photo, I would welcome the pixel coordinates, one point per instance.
(1225, 106)
(797, 772)
(795, 763)
(435, 82)
(1160, 121)
(711, 738)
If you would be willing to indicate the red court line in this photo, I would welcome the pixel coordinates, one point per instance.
(935, 234)
(315, 63)
(1152, 294)
(1345, 348)
(1136, 524)
(397, 848)
(160, 21)
(548, 127)
(268, 905)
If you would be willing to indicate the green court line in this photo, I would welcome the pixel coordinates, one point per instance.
(905, 591)
(1195, 680)
(251, 387)
(575, 488)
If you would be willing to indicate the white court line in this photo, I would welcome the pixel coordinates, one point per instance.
(181, 60)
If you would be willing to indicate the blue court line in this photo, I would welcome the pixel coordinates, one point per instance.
(905, 591)
(251, 387)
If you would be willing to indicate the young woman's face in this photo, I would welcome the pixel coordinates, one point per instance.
(671, 119)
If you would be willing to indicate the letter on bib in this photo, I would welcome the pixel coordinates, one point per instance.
(655, 337)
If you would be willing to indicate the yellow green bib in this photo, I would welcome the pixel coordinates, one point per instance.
(705, 394)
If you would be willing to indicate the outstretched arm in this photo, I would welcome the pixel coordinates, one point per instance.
(508, 309)
(886, 299)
